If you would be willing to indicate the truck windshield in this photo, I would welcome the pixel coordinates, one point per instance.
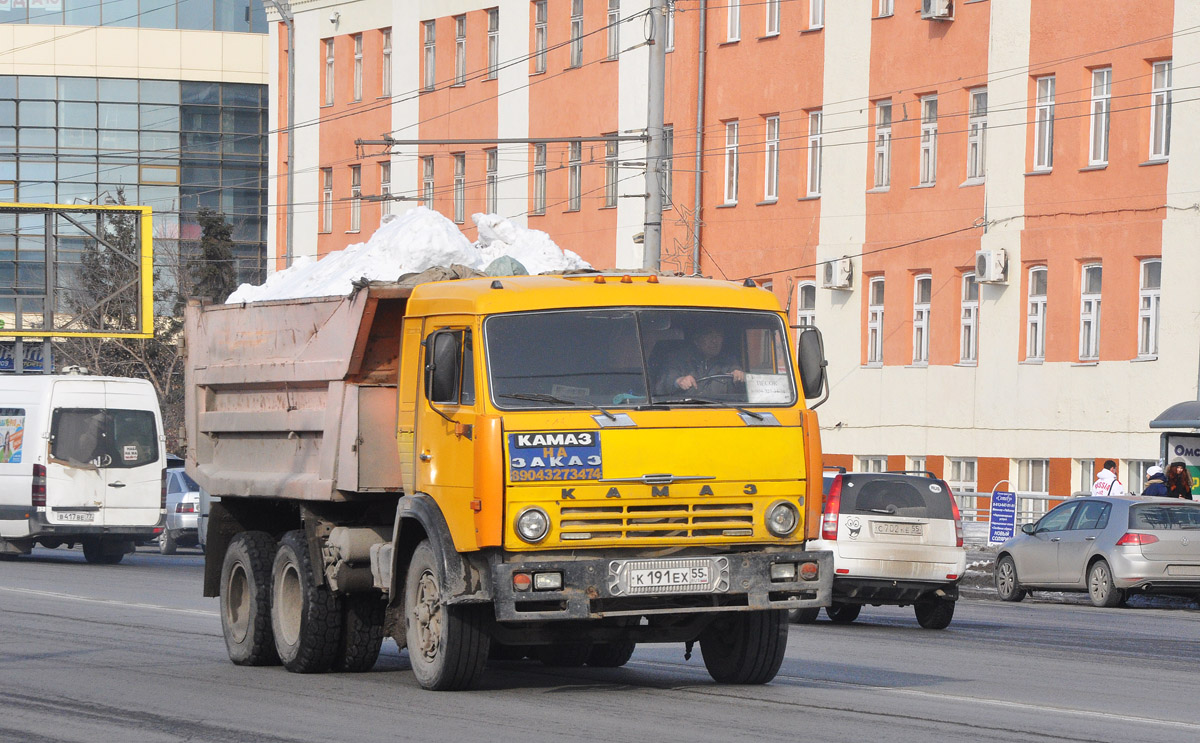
(633, 357)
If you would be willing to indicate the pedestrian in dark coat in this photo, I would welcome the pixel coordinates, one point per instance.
(1179, 481)
(1156, 482)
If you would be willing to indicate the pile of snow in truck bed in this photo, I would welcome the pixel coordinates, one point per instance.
(410, 243)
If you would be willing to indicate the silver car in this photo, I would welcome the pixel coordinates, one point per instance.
(1110, 547)
(183, 511)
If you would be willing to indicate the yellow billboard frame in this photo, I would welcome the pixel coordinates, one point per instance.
(145, 270)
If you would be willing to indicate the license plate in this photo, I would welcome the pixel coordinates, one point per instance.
(911, 530)
(87, 516)
(684, 575)
(1184, 571)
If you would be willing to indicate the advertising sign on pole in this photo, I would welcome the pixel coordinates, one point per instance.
(1003, 517)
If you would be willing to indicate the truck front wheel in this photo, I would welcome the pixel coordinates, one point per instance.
(306, 618)
(246, 599)
(447, 644)
(746, 647)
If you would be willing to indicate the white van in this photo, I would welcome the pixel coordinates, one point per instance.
(81, 461)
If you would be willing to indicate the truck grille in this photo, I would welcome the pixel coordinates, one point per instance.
(655, 521)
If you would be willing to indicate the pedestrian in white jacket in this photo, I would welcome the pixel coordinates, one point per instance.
(1106, 481)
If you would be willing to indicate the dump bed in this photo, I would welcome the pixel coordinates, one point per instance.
(279, 393)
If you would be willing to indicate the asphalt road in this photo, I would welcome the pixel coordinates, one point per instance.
(132, 652)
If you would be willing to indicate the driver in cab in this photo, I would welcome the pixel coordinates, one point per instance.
(702, 367)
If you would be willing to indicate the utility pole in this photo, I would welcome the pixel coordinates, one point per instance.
(285, 13)
(652, 227)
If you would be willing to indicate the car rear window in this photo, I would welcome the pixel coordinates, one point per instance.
(104, 438)
(1153, 516)
(915, 497)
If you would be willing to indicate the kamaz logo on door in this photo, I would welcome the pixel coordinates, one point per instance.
(541, 457)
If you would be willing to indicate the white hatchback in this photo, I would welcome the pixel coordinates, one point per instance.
(896, 539)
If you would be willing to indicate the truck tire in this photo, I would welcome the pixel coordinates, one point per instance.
(362, 632)
(563, 655)
(611, 654)
(306, 618)
(100, 551)
(746, 647)
(246, 599)
(934, 613)
(166, 543)
(447, 644)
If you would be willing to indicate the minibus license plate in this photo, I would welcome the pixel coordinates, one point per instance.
(77, 516)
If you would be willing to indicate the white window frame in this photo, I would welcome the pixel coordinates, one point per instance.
(883, 144)
(1035, 319)
(962, 477)
(427, 182)
(806, 303)
(614, 29)
(666, 179)
(576, 33)
(493, 43)
(1099, 119)
(358, 67)
(326, 199)
(816, 144)
(968, 344)
(816, 14)
(733, 20)
(540, 37)
(1043, 128)
(355, 198)
(385, 187)
(539, 179)
(385, 71)
(575, 177)
(1033, 478)
(731, 162)
(489, 183)
(610, 172)
(460, 49)
(870, 463)
(1086, 474)
(886, 8)
(330, 71)
(460, 187)
(922, 297)
(1135, 474)
(875, 299)
(1149, 297)
(977, 134)
(1089, 311)
(771, 160)
(929, 136)
(1160, 110)
(430, 46)
(772, 13)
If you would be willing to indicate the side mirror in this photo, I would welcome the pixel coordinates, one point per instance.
(441, 366)
(810, 352)
(1028, 528)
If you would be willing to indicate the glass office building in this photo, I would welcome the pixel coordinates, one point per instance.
(196, 15)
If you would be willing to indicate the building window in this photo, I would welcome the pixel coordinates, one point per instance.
(539, 36)
(574, 176)
(1101, 110)
(385, 74)
(358, 66)
(539, 179)
(929, 112)
(977, 134)
(610, 172)
(427, 181)
(1148, 298)
(329, 72)
(670, 27)
(731, 162)
(871, 464)
(875, 321)
(733, 20)
(326, 199)
(771, 169)
(1035, 334)
(460, 50)
(922, 293)
(816, 142)
(668, 165)
(886, 8)
(916, 463)
(1135, 473)
(355, 198)
(969, 336)
(883, 144)
(961, 477)
(430, 55)
(460, 187)
(1085, 476)
(576, 33)
(806, 303)
(493, 48)
(1033, 479)
(385, 187)
(614, 28)
(493, 165)
(1043, 130)
(1160, 112)
(772, 18)
(1089, 313)
(816, 13)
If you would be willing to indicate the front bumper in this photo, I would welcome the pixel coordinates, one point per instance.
(586, 592)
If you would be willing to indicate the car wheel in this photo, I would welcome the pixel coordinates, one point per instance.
(563, 655)
(803, 616)
(611, 654)
(842, 613)
(101, 551)
(1007, 585)
(1101, 588)
(166, 543)
(935, 614)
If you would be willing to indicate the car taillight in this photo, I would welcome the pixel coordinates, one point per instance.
(185, 508)
(833, 505)
(1131, 538)
(162, 501)
(958, 540)
(39, 485)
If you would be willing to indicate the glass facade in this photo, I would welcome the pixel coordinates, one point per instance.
(170, 145)
(246, 16)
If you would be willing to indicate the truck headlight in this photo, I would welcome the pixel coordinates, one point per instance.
(782, 518)
(532, 525)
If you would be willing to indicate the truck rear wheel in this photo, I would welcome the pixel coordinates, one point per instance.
(447, 645)
(746, 647)
(246, 599)
(101, 551)
(362, 632)
(306, 618)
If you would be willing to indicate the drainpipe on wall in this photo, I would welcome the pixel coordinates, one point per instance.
(699, 191)
(285, 13)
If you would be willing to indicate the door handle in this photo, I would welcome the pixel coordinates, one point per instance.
(425, 456)
(1089, 539)
(1055, 539)
(116, 484)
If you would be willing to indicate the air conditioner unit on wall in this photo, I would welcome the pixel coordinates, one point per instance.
(937, 10)
(991, 266)
(838, 273)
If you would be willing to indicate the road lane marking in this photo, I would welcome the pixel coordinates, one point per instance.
(109, 602)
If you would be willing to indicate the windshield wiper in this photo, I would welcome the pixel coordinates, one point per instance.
(539, 397)
(706, 401)
(890, 510)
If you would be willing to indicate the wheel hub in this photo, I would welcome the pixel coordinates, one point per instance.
(427, 616)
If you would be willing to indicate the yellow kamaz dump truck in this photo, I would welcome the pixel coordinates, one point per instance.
(557, 467)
